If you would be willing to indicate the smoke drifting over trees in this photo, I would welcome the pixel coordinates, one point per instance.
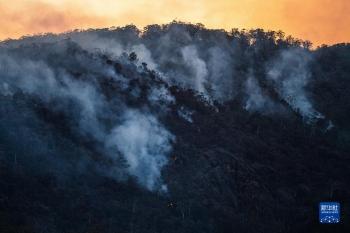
(178, 117)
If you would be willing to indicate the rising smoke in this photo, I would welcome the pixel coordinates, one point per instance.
(76, 74)
(118, 131)
(290, 75)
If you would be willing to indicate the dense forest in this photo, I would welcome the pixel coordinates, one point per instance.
(173, 128)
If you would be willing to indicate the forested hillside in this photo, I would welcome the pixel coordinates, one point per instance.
(174, 128)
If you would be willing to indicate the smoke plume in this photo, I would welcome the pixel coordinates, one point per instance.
(112, 86)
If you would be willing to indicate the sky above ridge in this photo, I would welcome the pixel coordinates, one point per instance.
(321, 21)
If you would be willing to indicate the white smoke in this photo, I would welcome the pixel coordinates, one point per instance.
(66, 76)
(144, 55)
(161, 98)
(135, 135)
(113, 47)
(144, 144)
(221, 80)
(198, 68)
(201, 59)
(38, 79)
(185, 114)
(290, 75)
(92, 42)
(205, 62)
(257, 101)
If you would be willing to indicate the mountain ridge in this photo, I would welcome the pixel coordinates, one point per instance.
(183, 129)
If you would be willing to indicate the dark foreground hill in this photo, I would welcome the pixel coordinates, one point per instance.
(176, 128)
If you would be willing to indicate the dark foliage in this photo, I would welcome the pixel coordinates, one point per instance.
(230, 170)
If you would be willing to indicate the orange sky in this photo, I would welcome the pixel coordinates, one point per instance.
(321, 21)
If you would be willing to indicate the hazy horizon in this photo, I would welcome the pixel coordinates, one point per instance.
(321, 22)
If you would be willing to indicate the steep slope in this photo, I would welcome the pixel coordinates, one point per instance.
(174, 129)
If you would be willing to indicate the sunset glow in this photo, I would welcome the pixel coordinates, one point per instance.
(321, 21)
